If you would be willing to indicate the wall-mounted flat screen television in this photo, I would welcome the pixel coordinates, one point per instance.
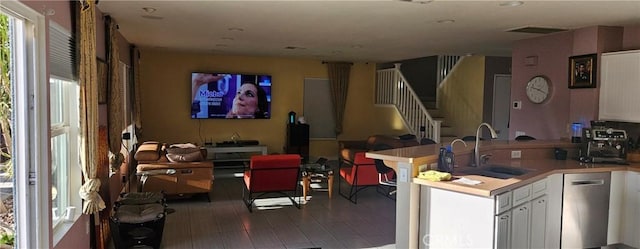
(230, 95)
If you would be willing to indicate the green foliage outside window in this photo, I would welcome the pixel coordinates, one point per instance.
(7, 236)
(5, 93)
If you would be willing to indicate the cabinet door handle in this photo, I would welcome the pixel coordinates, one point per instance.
(504, 217)
(587, 182)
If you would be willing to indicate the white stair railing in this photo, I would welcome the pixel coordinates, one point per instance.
(445, 65)
(393, 89)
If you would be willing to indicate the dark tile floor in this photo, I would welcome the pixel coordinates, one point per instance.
(321, 222)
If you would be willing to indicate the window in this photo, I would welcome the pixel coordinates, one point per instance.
(25, 44)
(318, 109)
(65, 170)
(64, 94)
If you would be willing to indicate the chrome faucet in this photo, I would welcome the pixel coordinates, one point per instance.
(476, 150)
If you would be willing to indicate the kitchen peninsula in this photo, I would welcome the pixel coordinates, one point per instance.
(497, 212)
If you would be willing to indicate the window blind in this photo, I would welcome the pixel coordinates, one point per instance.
(62, 59)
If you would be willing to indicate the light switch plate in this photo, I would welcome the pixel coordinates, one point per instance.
(516, 153)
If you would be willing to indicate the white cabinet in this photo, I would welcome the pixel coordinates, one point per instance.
(520, 226)
(521, 217)
(631, 217)
(554, 210)
(503, 230)
(538, 222)
(619, 86)
(503, 202)
(521, 195)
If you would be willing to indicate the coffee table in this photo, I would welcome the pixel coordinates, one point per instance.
(313, 172)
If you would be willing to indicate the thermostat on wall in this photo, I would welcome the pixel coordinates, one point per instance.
(517, 104)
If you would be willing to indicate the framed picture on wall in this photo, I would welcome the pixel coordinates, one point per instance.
(582, 71)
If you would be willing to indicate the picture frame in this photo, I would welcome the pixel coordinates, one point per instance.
(103, 71)
(582, 71)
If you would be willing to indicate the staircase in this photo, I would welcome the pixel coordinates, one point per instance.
(421, 117)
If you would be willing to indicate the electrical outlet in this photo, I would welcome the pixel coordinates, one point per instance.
(404, 175)
(516, 153)
(433, 166)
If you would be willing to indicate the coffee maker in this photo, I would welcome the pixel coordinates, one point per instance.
(604, 145)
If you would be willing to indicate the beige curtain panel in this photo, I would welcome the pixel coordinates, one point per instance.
(339, 83)
(88, 77)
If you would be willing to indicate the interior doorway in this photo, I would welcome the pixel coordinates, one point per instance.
(501, 105)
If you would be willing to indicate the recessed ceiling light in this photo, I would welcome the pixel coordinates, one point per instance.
(153, 17)
(149, 10)
(511, 3)
(236, 29)
(445, 21)
(417, 1)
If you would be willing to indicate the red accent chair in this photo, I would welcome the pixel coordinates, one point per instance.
(268, 174)
(360, 174)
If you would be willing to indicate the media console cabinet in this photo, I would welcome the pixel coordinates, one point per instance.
(234, 153)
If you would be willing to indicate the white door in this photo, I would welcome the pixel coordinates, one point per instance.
(501, 105)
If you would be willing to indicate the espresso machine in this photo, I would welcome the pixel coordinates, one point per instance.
(604, 145)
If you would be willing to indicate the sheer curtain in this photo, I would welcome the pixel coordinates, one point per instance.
(93, 203)
(339, 82)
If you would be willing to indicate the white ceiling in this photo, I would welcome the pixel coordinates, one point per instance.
(357, 30)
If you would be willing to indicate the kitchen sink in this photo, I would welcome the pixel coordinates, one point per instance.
(496, 171)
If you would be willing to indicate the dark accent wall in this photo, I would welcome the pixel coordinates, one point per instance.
(421, 74)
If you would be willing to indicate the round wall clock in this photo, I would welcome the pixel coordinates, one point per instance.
(538, 89)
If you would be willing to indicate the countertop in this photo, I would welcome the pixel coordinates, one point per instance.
(426, 154)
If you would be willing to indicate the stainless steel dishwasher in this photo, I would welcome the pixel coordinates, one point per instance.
(585, 210)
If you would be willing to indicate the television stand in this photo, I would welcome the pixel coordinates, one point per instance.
(237, 153)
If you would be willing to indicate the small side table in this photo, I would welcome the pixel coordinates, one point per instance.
(314, 171)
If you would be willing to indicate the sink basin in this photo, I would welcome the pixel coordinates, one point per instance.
(496, 171)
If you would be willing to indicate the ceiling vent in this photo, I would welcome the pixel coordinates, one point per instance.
(536, 30)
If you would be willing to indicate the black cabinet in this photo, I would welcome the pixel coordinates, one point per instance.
(298, 140)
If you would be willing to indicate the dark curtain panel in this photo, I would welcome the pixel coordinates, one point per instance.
(339, 83)
(115, 100)
(135, 62)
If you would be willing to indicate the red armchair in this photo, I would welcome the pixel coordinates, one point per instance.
(268, 174)
(360, 174)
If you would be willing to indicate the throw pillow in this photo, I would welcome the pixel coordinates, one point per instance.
(184, 154)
